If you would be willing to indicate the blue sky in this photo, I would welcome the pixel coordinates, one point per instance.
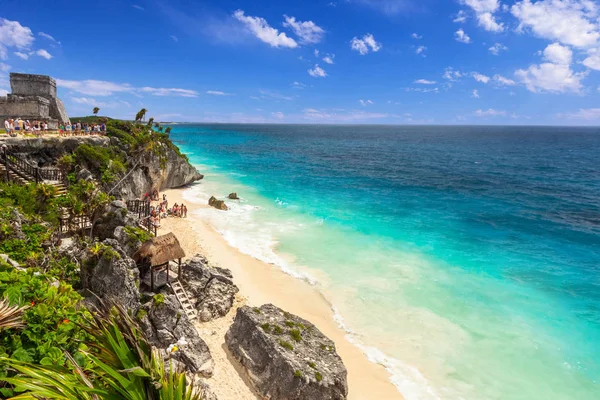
(313, 61)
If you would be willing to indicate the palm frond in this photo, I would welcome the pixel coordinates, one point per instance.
(11, 316)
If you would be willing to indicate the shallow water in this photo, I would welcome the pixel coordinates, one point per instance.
(464, 259)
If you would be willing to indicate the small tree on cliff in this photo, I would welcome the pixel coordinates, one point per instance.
(168, 130)
(141, 115)
(95, 111)
(150, 121)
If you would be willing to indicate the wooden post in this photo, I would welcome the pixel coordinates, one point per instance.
(168, 265)
(152, 278)
(179, 270)
(37, 175)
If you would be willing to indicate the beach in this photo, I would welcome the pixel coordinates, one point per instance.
(262, 283)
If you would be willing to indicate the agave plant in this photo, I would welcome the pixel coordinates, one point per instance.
(11, 316)
(120, 364)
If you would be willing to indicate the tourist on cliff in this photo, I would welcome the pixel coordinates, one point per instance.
(7, 126)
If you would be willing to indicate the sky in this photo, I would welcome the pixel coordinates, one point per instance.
(314, 61)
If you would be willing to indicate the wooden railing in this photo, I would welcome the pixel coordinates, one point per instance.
(139, 207)
(30, 173)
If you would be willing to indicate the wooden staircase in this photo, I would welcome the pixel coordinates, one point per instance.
(184, 300)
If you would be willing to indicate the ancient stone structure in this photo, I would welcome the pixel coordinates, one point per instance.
(33, 97)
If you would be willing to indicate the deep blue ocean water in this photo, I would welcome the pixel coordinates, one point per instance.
(464, 259)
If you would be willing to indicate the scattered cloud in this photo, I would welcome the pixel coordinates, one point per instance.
(316, 52)
(489, 113)
(451, 74)
(102, 104)
(49, 37)
(263, 31)
(389, 7)
(480, 77)
(497, 48)
(425, 82)
(555, 75)
(21, 55)
(365, 103)
(422, 90)
(175, 38)
(307, 31)
(278, 115)
(366, 44)
(475, 94)
(333, 116)
(138, 7)
(593, 60)
(13, 34)
(317, 72)
(329, 58)
(502, 81)
(93, 87)
(421, 50)
(416, 36)
(298, 85)
(461, 36)
(460, 17)
(218, 93)
(4, 67)
(585, 114)
(572, 22)
(43, 53)
(484, 10)
(269, 95)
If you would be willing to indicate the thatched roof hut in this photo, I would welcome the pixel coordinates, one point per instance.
(159, 250)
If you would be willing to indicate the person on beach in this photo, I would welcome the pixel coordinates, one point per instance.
(183, 211)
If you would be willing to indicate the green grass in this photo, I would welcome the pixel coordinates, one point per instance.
(286, 345)
(295, 334)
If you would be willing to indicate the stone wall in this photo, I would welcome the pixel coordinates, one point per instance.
(32, 107)
(32, 85)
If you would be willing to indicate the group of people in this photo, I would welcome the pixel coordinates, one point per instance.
(78, 128)
(15, 126)
(162, 210)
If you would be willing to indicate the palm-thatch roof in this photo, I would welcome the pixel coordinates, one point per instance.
(160, 250)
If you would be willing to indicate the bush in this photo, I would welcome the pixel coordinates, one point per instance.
(295, 334)
(286, 345)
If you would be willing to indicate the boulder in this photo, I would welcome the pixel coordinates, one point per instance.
(233, 196)
(211, 288)
(165, 324)
(112, 275)
(285, 356)
(218, 204)
(85, 175)
(114, 215)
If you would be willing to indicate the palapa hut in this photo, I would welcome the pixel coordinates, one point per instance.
(155, 255)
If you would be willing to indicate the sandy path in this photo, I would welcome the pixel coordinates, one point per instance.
(261, 283)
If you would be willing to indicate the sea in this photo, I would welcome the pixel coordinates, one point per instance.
(464, 259)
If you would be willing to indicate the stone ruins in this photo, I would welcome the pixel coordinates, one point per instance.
(33, 98)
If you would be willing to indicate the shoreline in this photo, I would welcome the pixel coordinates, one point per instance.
(262, 283)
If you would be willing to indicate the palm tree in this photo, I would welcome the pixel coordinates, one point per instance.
(11, 316)
(120, 363)
(95, 111)
(168, 130)
(150, 121)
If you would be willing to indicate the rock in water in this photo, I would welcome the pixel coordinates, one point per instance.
(285, 356)
(211, 287)
(218, 204)
(233, 196)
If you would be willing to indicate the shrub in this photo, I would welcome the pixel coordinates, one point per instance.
(266, 327)
(295, 334)
(286, 345)
(158, 299)
(277, 330)
(318, 376)
(298, 374)
(312, 365)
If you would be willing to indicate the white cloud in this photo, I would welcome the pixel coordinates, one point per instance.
(169, 92)
(263, 31)
(317, 72)
(461, 36)
(366, 44)
(500, 80)
(497, 48)
(475, 94)
(484, 10)
(49, 37)
(452, 75)
(416, 36)
(550, 77)
(3, 92)
(425, 82)
(388, 7)
(24, 56)
(321, 115)
(316, 52)
(489, 113)
(93, 87)
(460, 17)
(278, 115)
(555, 53)
(4, 67)
(218, 93)
(307, 31)
(480, 77)
(593, 60)
(266, 94)
(365, 102)
(329, 58)
(422, 90)
(421, 50)
(586, 114)
(298, 85)
(175, 38)
(43, 53)
(137, 7)
(95, 103)
(13, 34)
(572, 22)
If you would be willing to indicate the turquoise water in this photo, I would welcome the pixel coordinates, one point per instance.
(464, 259)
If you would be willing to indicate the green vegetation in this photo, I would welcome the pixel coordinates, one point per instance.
(256, 310)
(312, 365)
(141, 314)
(290, 324)
(298, 374)
(158, 299)
(286, 345)
(277, 330)
(135, 234)
(318, 376)
(266, 328)
(296, 335)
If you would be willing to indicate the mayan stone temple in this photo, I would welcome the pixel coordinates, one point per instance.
(33, 98)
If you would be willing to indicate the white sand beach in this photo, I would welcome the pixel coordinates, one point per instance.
(262, 283)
